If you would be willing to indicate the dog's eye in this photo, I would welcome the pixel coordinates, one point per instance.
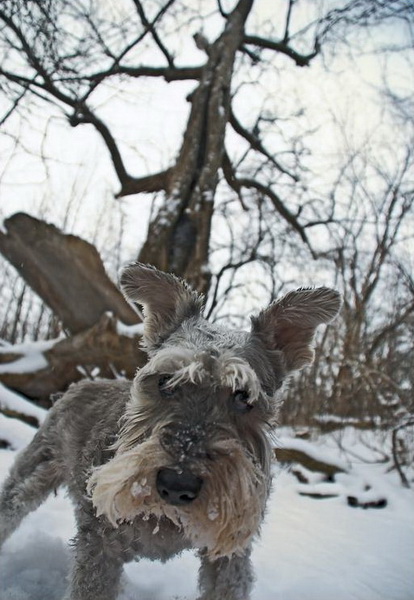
(241, 401)
(165, 389)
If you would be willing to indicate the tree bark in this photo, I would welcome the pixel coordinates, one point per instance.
(65, 271)
(292, 455)
(178, 237)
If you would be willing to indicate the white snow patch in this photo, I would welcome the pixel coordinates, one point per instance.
(16, 433)
(13, 401)
(24, 576)
(308, 548)
(26, 364)
(140, 489)
(324, 549)
(129, 330)
(32, 358)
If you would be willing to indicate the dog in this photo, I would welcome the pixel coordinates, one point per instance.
(179, 458)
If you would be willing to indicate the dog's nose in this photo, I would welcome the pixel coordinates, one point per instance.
(178, 487)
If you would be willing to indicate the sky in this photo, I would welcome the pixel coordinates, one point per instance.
(64, 174)
(150, 118)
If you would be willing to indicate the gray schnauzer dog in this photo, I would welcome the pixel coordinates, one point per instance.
(181, 458)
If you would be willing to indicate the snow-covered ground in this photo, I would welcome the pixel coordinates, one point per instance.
(310, 549)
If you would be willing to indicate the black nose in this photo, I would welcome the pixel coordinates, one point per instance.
(178, 487)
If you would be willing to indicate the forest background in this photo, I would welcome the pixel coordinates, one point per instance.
(249, 146)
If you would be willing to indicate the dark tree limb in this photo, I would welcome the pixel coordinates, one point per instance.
(301, 60)
(151, 28)
(65, 271)
(286, 37)
(147, 29)
(256, 144)
(238, 183)
(167, 73)
(232, 180)
(388, 329)
(292, 455)
(82, 114)
(47, 82)
(149, 183)
(395, 454)
(129, 185)
(13, 107)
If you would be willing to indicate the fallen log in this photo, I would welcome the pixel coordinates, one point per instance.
(65, 271)
(292, 455)
(108, 349)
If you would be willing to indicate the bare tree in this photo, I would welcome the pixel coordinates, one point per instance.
(66, 53)
(362, 369)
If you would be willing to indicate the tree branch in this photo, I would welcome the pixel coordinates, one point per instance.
(301, 60)
(286, 37)
(168, 73)
(83, 115)
(257, 145)
(150, 27)
(221, 9)
(237, 183)
(149, 183)
(390, 328)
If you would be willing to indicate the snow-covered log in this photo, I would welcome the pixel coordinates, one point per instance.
(39, 369)
(296, 451)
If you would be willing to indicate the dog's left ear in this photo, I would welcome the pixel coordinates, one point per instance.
(288, 325)
(167, 300)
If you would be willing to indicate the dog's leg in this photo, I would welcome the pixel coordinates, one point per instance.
(33, 476)
(226, 578)
(98, 562)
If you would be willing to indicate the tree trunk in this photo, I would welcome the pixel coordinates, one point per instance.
(178, 237)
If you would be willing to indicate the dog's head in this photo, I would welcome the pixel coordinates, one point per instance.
(193, 445)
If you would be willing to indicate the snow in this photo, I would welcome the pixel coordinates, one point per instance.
(309, 549)
(129, 330)
(32, 358)
(15, 402)
(324, 549)
(16, 433)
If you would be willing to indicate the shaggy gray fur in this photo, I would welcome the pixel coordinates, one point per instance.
(179, 459)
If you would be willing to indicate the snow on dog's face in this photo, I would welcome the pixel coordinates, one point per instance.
(193, 445)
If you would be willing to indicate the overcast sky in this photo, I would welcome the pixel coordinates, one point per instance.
(54, 164)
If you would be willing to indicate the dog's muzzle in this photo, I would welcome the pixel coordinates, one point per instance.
(178, 487)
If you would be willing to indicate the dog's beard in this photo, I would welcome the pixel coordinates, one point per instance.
(222, 519)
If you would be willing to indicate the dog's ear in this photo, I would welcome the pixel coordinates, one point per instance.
(167, 300)
(288, 325)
